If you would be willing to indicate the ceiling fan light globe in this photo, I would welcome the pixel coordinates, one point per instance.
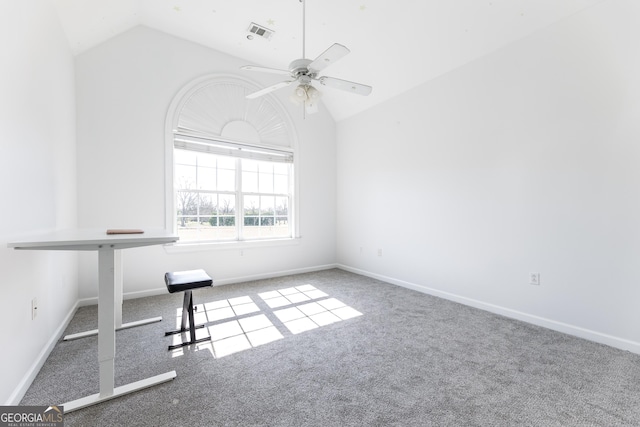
(300, 92)
(313, 93)
(296, 100)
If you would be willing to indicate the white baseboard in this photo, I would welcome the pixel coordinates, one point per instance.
(28, 378)
(577, 331)
(217, 282)
(269, 275)
(128, 295)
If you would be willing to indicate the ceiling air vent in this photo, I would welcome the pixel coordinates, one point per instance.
(260, 31)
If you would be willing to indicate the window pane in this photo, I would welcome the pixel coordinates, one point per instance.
(281, 168)
(265, 182)
(227, 221)
(185, 176)
(266, 221)
(226, 204)
(207, 204)
(266, 167)
(226, 162)
(249, 182)
(206, 178)
(186, 202)
(282, 206)
(251, 205)
(280, 184)
(184, 157)
(207, 160)
(207, 194)
(190, 222)
(250, 220)
(226, 180)
(267, 205)
(249, 165)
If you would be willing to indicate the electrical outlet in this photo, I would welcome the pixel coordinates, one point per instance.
(534, 279)
(34, 308)
(379, 252)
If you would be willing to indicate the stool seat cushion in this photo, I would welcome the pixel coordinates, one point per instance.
(179, 281)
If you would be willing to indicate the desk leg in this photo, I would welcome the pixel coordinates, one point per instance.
(118, 283)
(107, 283)
(107, 302)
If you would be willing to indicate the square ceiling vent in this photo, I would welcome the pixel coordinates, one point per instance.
(256, 30)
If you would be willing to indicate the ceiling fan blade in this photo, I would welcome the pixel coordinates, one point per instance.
(329, 56)
(265, 69)
(346, 85)
(269, 89)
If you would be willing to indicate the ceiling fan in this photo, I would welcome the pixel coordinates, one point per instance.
(304, 72)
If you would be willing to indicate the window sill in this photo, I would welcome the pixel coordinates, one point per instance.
(221, 246)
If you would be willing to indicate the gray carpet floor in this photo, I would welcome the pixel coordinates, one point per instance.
(333, 348)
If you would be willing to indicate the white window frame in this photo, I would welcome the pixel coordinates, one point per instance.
(171, 130)
(239, 151)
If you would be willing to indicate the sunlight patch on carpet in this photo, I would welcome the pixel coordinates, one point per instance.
(236, 324)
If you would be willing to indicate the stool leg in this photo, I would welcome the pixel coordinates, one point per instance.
(192, 326)
(188, 318)
(187, 311)
(188, 323)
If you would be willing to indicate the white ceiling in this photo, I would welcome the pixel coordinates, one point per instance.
(395, 45)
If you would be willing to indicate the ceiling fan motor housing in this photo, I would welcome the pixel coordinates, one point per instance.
(299, 67)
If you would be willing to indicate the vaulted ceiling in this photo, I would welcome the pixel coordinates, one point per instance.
(395, 45)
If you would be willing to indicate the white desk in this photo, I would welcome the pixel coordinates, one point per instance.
(109, 298)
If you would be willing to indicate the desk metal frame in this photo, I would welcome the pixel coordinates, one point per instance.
(109, 299)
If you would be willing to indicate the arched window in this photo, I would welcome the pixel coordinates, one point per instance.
(230, 164)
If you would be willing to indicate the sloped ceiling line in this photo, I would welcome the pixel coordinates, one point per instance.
(395, 46)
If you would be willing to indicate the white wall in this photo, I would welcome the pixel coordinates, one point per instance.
(527, 160)
(37, 184)
(124, 89)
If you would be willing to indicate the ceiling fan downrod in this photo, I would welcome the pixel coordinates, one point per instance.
(304, 5)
